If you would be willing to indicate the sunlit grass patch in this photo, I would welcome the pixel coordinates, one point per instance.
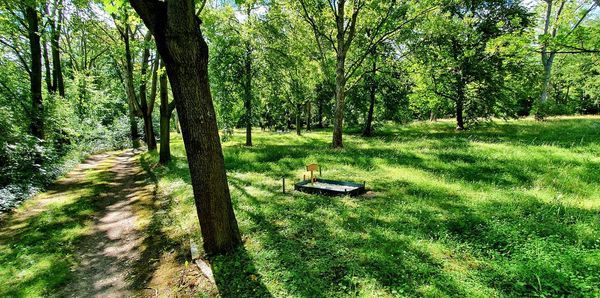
(504, 209)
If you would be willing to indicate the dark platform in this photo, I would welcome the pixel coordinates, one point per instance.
(330, 187)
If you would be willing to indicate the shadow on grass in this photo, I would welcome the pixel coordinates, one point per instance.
(236, 275)
(309, 253)
(565, 133)
(474, 226)
(315, 258)
(155, 242)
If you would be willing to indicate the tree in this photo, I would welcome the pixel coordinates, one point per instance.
(454, 57)
(372, 82)
(125, 33)
(557, 30)
(181, 45)
(54, 15)
(147, 107)
(35, 72)
(166, 110)
(325, 17)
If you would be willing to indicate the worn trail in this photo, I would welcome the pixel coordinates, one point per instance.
(115, 242)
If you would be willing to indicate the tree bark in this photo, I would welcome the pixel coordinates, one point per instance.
(37, 107)
(145, 108)
(372, 93)
(298, 121)
(369, 123)
(460, 100)
(181, 45)
(248, 94)
(308, 115)
(130, 89)
(340, 83)
(166, 110)
(55, 29)
(343, 43)
(48, 71)
(547, 61)
(320, 113)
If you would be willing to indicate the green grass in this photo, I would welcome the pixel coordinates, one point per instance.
(505, 209)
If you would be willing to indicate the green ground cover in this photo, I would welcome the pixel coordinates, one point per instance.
(504, 209)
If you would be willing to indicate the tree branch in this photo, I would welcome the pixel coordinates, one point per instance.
(17, 53)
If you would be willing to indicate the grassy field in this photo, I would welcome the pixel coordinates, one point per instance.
(505, 209)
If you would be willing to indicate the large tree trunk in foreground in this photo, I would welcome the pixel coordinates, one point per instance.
(37, 107)
(176, 30)
(343, 45)
(166, 110)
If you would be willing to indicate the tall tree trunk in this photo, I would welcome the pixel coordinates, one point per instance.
(37, 107)
(340, 74)
(320, 113)
(372, 93)
(48, 71)
(548, 61)
(151, 102)
(298, 119)
(55, 28)
(340, 94)
(176, 30)
(166, 110)
(146, 113)
(177, 124)
(248, 94)
(369, 123)
(432, 116)
(308, 115)
(130, 90)
(460, 125)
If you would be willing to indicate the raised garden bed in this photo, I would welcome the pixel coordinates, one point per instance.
(330, 187)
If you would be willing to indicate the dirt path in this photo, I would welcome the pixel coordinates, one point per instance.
(114, 244)
(96, 233)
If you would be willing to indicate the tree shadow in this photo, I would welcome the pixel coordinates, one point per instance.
(236, 275)
(311, 262)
